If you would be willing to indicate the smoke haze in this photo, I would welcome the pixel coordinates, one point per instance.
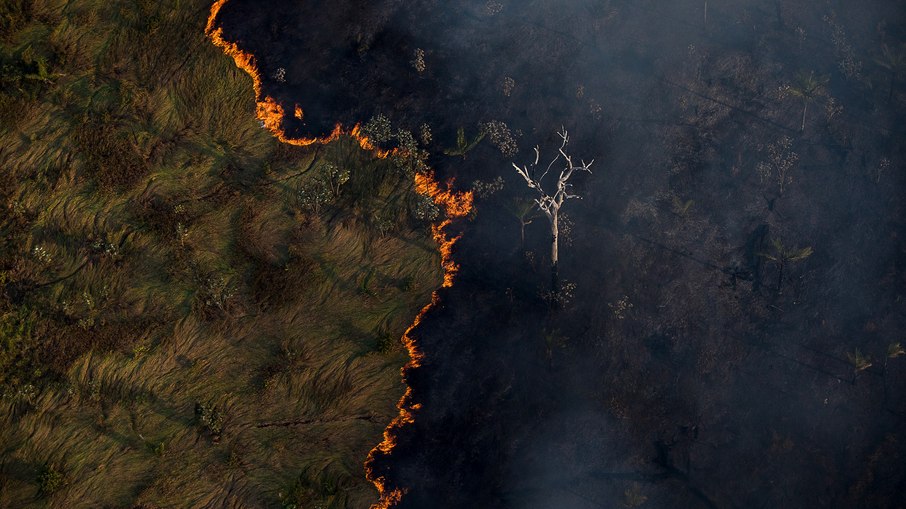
(704, 360)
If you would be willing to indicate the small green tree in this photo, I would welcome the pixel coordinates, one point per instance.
(524, 210)
(50, 479)
(334, 178)
(894, 350)
(893, 60)
(463, 146)
(313, 195)
(808, 87)
(633, 496)
(782, 256)
(780, 163)
(860, 361)
(210, 419)
(681, 208)
(553, 340)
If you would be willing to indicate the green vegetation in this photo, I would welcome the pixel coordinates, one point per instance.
(179, 325)
(808, 87)
(892, 60)
(634, 496)
(682, 208)
(463, 145)
(50, 480)
(860, 361)
(782, 256)
(210, 419)
(525, 212)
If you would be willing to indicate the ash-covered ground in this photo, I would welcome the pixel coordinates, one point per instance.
(734, 336)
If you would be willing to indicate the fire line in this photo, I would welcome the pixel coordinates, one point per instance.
(455, 204)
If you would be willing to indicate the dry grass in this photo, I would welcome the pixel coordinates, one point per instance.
(153, 258)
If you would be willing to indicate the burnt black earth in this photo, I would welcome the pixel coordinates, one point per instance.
(737, 258)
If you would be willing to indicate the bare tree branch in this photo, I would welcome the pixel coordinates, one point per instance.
(550, 203)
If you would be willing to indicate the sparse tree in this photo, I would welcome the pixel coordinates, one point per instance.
(782, 256)
(859, 361)
(894, 350)
(524, 212)
(808, 87)
(335, 177)
(893, 60)
(553, 340)
(463, 145)
(550, 203)
(779, 166)
(418, 62)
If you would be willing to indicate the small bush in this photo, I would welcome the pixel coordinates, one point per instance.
(210, 419)
(158, 448)
(50, 479)
(384, 344)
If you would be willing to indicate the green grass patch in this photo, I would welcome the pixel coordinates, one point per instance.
(178, 327)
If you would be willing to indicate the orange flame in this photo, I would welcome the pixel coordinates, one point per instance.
(271, 113)
(455, 204)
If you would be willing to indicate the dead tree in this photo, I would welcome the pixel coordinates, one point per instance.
(550, 203)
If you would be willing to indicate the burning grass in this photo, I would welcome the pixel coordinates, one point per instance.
(272, 116)
(189, 280)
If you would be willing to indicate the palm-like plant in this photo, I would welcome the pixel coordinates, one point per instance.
(524, 212)
(808, 87)
(463, 146)
(783, 256)
(681, 208)
(860, 361)
(894, 61)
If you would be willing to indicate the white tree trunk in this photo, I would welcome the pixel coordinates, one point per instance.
(550, 204)
(555, 239)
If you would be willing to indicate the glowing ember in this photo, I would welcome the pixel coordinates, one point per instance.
(455, 205)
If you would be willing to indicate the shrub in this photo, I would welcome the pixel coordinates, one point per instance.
(425, 209)
(378, 129)
(859, 361)
(463, 144)
(50, 479)
(210, 419)
(384, 344)
(501, 137)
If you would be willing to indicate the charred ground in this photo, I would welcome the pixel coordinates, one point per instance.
(688, 370)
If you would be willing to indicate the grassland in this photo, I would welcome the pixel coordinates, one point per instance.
(191, 314)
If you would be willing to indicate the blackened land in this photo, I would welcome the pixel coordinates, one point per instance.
(689, 371)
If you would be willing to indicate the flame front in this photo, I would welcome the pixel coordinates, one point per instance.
(455, 205)
(271, 113)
